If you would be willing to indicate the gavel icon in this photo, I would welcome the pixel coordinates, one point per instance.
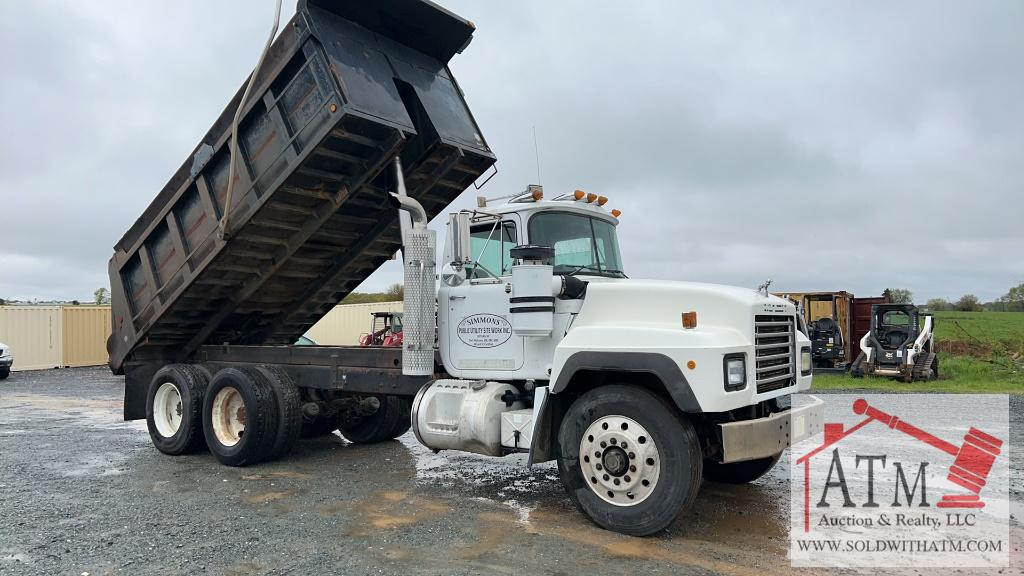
(972, 461)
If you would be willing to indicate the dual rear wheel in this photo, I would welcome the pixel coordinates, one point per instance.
(247, 415)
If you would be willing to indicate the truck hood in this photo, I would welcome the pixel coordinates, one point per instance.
(662, 302)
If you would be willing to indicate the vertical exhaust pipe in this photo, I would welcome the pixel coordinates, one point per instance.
(419, 245)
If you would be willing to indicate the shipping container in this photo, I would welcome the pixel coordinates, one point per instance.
(85, 331)
(34, 334)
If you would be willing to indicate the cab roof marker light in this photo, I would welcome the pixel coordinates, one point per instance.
(602, 200)
(579, 194)
(591, 198)
(616, 213)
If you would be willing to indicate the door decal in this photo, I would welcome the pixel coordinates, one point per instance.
(484, 330)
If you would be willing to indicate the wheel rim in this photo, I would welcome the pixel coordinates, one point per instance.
(167, 409)
(619, 460)
(228, 416)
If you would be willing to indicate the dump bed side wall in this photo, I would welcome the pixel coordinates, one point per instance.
(309, 217)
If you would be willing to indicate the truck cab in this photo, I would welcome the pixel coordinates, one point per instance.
(539, 328)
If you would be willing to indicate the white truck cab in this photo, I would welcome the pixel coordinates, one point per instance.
(637, 387)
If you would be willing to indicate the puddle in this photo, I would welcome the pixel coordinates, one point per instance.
(275, 475)
(267, 497)
(390, 510)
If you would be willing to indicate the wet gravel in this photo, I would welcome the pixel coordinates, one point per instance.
(82, 491)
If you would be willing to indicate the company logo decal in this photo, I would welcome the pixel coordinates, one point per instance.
(484, 331)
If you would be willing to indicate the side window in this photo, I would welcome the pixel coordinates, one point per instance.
(494, 255)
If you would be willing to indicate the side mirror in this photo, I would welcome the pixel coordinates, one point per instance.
(458, 227)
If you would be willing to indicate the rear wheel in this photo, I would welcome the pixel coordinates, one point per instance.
(739, 472)
(174, 407)
(289, 410)
(4, 373)
(628, 460)
(240, 418)
(375, 419)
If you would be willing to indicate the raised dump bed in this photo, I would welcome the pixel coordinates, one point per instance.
(347, 86)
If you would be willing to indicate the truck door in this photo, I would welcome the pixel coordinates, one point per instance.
(479, 329)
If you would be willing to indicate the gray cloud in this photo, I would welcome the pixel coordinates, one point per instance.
(824, 145)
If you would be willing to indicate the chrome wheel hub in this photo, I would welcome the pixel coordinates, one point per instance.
(619, 460)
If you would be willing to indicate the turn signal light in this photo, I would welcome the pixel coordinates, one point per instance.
(591, 198)
(689, 319)
(616, 213)
(602, 200)
(579, 194)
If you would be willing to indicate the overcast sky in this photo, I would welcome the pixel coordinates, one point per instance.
(824, 145)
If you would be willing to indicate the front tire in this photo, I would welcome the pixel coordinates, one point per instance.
(628, 460)
(739, 472)
(240, 417)
(174, 406)
(857, 370)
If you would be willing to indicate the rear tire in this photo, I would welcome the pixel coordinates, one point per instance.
(638, 489)
(4, 373)
(739, 472)
(289, 410)
(391, 420)
(174, 407)
(240, 417)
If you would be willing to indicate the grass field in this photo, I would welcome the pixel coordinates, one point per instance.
(979, 352)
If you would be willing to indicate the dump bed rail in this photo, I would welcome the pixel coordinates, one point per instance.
(346, 88)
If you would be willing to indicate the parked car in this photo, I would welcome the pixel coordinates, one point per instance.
(6, 360)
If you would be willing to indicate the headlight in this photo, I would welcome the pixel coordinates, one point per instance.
(735, 369)
(805, 361)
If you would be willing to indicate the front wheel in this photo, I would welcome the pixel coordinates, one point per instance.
(857, 368)
(628, 460)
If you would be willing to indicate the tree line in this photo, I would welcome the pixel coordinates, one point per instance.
(1012, 301)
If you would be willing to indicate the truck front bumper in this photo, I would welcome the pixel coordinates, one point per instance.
(768, 436)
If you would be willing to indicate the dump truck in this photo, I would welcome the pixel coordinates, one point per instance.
(530, 339)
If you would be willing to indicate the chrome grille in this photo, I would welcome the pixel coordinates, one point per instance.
(774, 349)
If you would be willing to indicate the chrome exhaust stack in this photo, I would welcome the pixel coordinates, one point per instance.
(419, 245)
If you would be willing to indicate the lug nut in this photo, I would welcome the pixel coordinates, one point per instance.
(626, 478)
(605, 477)
(598, 466)
(604, 444)
(617, 482)
(614, 441)
(632, 455)
(632, 468)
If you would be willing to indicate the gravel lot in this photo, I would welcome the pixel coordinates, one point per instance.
(83, 491)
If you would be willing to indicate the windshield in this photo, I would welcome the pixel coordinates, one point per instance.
(583, 245)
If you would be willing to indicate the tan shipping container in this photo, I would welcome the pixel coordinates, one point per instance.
(343, 325)
(34, 335)
(85, 330)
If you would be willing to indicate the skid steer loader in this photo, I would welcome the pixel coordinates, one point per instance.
(900, 343)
